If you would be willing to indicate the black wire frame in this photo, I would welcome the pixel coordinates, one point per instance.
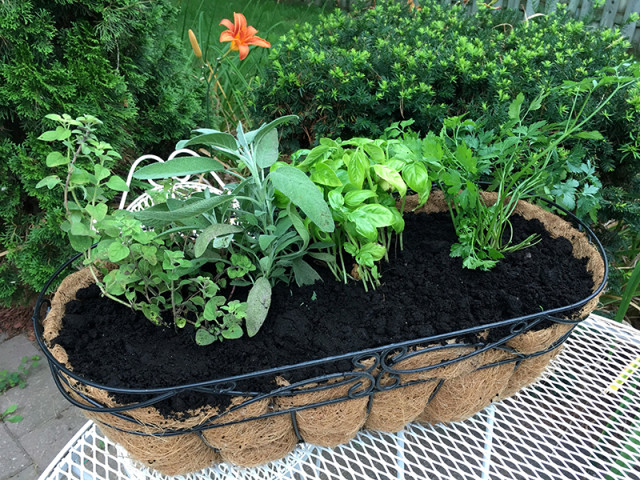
(374, 370)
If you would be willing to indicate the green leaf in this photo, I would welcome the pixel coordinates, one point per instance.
(10, 409)
(60, 133)
(304, 273)
(54, 116)
(265, 240)
(298, 223)
(392, 177)
(101, 172)
(209, 233)
(258, 303)
(379, 215)
(256, 135)
(321, 152)
(79, 176)
(161, 211)
(266, 150)
(15, 419)
(324, 175)
(417, 178)
(357, 197)
(179, 167)
(118, 184)
(55, 159)
(591, 135)
(214, 139)
(516, 105)
(80, 243)
(49, 182)
(375, 152)
(203, 337)
(464, 155)
(233, 332)
(80, 229)
(211, 309)
(117, 252)
(303, 193)
(98, 212)
(357, 168)
(336, 200)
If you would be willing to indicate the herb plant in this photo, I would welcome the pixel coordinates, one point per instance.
(146, 266)
(516, 159)
(362, 179)
(256, 230)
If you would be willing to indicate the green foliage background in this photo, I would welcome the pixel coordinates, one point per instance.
(115, 59)
(355, 73)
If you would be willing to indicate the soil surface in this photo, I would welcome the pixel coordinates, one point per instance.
(424, 292)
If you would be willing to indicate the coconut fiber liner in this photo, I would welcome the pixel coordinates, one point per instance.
(437, 394)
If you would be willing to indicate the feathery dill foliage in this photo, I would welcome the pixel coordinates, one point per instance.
(116, 59)
(355, 74)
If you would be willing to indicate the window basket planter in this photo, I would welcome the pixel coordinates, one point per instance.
(442, 378)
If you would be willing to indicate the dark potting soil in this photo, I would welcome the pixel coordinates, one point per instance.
(424, 292)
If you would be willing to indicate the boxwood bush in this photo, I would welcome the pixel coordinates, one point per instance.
(354, 74)
(115, 59)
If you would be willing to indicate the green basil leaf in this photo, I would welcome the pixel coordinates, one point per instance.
(323, 174)
(417, 179)
(357, 197)
(392, 177)
(357, 168)
(378, 215)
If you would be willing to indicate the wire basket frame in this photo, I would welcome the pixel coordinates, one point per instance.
(372, 371)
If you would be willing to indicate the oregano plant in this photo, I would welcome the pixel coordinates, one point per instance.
(147, 266)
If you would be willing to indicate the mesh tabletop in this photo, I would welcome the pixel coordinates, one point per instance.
(580, 421)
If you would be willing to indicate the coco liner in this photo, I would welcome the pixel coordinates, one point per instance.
(432, 328)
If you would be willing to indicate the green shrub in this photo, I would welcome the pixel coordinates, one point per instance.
(355, 74)
(116, 59)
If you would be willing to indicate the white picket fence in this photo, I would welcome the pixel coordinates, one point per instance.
(614, 13)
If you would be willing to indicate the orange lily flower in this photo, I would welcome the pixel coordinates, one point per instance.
(241, 36)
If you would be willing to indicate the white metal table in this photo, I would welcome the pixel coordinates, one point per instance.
(580, 421)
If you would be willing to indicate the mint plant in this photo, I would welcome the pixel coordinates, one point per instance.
(259, 230)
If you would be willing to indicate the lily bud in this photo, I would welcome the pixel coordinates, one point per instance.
(194, 44)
